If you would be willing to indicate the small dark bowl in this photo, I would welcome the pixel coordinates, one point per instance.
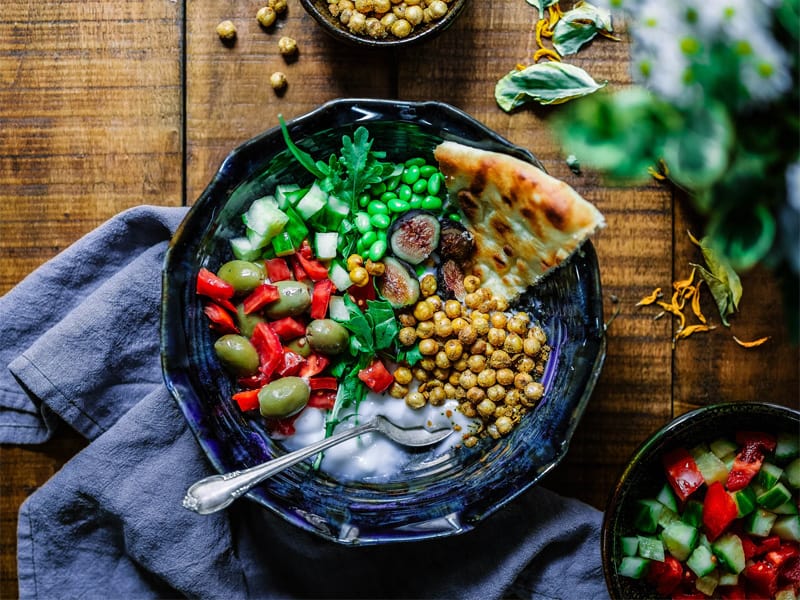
(318, 9)
(643, 476)
(453, 494)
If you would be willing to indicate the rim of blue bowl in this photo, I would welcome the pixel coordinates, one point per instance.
(653, 446)
(366, 515)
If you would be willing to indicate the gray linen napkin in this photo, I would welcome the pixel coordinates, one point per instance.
(82, 348)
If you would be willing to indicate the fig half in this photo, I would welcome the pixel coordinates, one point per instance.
(399, 283)
(414, 236)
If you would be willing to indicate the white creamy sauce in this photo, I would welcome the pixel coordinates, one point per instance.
(373, 457)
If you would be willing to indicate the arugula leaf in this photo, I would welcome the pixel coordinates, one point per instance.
(721, 278)
(384, 324)
(546, 83)
(579, 26)
(361, 340)
(303, 157)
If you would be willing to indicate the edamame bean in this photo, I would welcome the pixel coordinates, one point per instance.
(431, 203)
(435, 184)
(416, 201)
(380, 221)
(386, 196)
(362, 222)
(377, 250)
(361, 248)
(363, 200)
(420, 186)
(383, 235)
(377, 188)
(427, 170)
(455, 217)
(392, 182)
(398, 206)
(376, 207)
(411, 174)
(369, 238)
(417, 161)
(404, 192)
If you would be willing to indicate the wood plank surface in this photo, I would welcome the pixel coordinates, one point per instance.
(115, 103)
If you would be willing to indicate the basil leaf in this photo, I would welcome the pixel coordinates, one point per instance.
(361, 340)
(545, 83)
(721, 278)
(579, 26)
(541, 5)
(384, 324)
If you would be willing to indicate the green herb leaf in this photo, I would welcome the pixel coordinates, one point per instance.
(721, 278)
(541, 5)
(303, 157)
(545, 83)
(412, 356)
(384, 323)
(579, 26)
(361, 340)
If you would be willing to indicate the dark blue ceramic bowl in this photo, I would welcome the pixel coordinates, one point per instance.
(468, 485)
(643, 475)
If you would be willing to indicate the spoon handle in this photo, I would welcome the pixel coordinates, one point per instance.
(218, 491)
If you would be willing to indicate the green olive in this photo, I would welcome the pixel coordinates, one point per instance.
(327, 336)
(300, 346)
(283, 397)
(295, 300)
(243, 275)
(237, 354)
(247, 323)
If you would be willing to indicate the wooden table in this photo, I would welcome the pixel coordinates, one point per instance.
(107, 104)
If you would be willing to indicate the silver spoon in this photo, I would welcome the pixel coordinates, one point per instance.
(218, 491)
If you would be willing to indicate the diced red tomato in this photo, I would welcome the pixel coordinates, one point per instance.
(288, 328)
(765, 441)
(749, 547)
(320, 298)
(297, 269)
(211, 286)
(790, 572)
(277, 269)
(682, 472)
(247, 399)
(783, 553)
(253, 381)
(324, 399)
(360, 294)
(768, 544)
(719, 510)
(763, 577)
(665, 576)
(268, 346)
(376, 377)
(282, 427)
(292, 363)
(732, 592)
(314, 365)
(323, 383)
(313, 268)
(749, 459)
(305, 249)
(264, 294)
(221, 319)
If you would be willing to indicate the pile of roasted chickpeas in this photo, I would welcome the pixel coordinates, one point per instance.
(381, 18)
(477, 352)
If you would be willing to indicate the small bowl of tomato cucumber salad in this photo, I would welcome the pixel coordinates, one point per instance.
(707, 507)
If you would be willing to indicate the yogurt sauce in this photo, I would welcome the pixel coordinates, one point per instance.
(373, 457)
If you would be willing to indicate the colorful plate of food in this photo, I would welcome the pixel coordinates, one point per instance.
(380, 257)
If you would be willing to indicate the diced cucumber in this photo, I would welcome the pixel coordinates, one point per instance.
(708, 583)
(768, 475)
(630, 545)
(788, 446)
(337, 309)
(339, 276)
(787, 508)
(338, 207)
(282, 194)
(312, 202)
(785, 594)
(647, 513)
(667, 516)
(634, 567)
(787, 527)
(651, 547)
(760, 522)
(777, 495)
(680, 539)
(745, 501)
(721, 447)
(701, 561)
(668, 498)
(693, 513)
(243, 249)
(264, 220)
(326, 243)
(282, 244)
(729, 460)
(728, 578)
(710, 466)
(728, 549)
(792, 473)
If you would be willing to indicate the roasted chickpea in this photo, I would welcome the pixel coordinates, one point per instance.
(504, 425)
(471, 283)
(401, 28)
(521, 380)
(357, 22)
(487, 306)
(461, 364)
(374, 268)
(500, 303)
(266, 16)
(441, 374)
(425, 330)
(381, 6)
(452, 308)
(499, 359)
(467, 336)
(420, 374)
(439, 314)
(533, 391)
(437, 396)
(226, 31)
(454, 378)
(496, 393)
(359, 276)
(441, 360)
(458, 324)
(407, 320)
(505, 376)
(467, 380)
(512, 343)
(487, 378)
(279, 6)
(485, 408)
(476, 363)
(498, 320)
(428, 285)
(436, 302)
(481, 326)
(517, 325)
(437, 8)
(403, 375)
(397, 390)
(287, 46)
(364, 6)
(525, 364)
(443, 327)
(453, 349)
(449, 390)
(278, 81)
(423, 311)
(415, 400)
(472, 300)
(531, 346)
(479, 347)
(414, 15)
(475, 395)
(467, 410)
(427, 363)
(388, 19)
(496, 337)
(513, 397)
(407, 336)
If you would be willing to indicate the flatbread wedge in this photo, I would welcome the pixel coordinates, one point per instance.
(525, 222)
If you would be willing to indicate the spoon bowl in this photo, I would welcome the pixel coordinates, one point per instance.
(218, 491)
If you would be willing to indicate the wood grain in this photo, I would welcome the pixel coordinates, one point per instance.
(109, 104)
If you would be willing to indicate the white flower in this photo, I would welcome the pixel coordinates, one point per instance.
(764, 69)
(789, 220)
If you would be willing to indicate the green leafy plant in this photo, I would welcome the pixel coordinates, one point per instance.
(715, 110)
